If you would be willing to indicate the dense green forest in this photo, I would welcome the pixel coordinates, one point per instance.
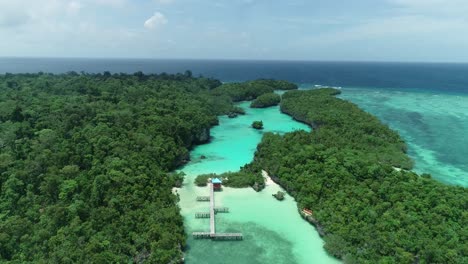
(266, 100)
(344, 171)
(277, 84)
(250, 90)
(84, 164)
(346, 125)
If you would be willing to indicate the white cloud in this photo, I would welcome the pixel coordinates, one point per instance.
(164, 2)
(74, 7)
(397, 27)
(433, 7)
(399, 38)
(13, 19)
(413, 22)
(156, 21)
(26, 12)
(112, 3)
(12, 15)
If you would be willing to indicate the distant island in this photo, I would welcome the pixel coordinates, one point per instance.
(87, 161)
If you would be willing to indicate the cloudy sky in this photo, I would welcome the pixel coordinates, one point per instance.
(369, 30)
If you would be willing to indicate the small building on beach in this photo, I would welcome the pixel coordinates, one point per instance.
(307, 212)
(216, 183)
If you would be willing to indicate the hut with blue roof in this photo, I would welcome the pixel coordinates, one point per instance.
(216, 183)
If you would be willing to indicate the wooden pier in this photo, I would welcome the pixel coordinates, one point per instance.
(208, 214)
(221, 210)
(228, 236)
(203, 198)
(202, 215)
(211, 214)
(201, 235)
(219, 236)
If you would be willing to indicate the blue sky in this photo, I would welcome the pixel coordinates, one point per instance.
(358, 30)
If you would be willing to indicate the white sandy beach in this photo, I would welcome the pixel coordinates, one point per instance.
(268, 180)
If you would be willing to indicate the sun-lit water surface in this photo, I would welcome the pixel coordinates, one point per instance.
(273, 231)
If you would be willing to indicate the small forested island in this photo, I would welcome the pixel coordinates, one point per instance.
(266, 100)
(279, 195)
(257, 124)
(86, 161)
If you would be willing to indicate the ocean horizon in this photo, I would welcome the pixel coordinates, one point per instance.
(422, 76)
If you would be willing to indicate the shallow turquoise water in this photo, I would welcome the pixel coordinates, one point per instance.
(434, 125)
(273, 231)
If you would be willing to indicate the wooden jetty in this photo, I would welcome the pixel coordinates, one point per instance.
(211, 214)
(201, 235)
(221, 210)
(208, 214)
(202, 215)
(219, 236)
(228, 236)
(203, 198)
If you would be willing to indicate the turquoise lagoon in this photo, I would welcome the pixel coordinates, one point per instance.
(273, 231)
(434, 125)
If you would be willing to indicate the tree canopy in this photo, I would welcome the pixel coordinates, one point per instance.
(277, 84)
(257, 124)
(250, 90)
(85, 161)
(240, 179)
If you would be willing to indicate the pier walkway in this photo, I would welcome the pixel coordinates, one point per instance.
(211, 214)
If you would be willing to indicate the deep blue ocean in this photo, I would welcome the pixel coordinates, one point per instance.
(427, 103)
(426, 76)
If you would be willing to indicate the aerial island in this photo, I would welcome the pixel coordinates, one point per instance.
(87, 170)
